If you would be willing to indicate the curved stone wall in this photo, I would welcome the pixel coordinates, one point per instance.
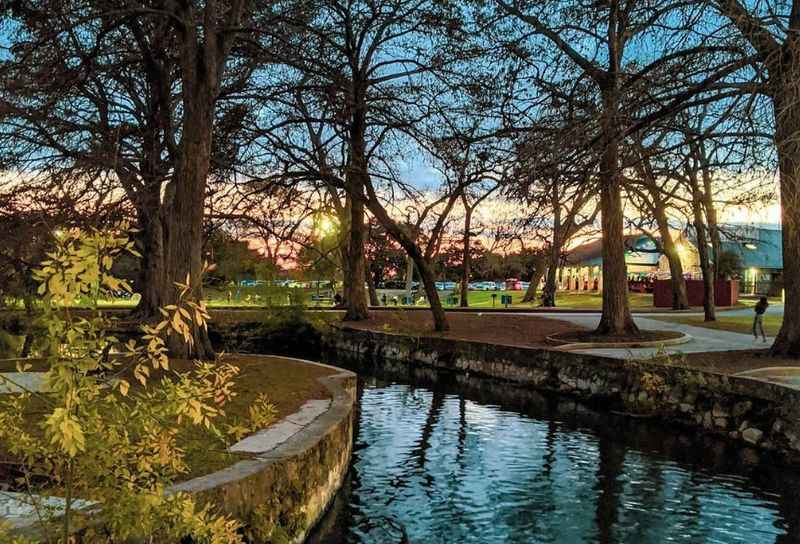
(293, 471)
(284, 490)
(757, 414)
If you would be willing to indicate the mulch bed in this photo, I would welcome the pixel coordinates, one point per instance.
(511, 330)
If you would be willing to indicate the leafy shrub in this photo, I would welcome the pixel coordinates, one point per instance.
(112, 429)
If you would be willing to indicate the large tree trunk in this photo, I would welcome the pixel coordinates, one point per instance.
(355, 295)
(616, 318)
(539, 268)
(344, 214)
(680, 298)
(787, 138)
(429, 283)
(153, 287)
(467, 259)
(184, 256)
(357, 175)
(550, 286)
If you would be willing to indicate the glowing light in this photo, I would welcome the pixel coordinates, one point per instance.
(748, 245)
(325, 225)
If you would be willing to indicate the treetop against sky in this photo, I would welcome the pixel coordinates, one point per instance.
(655, 105)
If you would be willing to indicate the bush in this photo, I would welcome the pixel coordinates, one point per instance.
(112, 430)
(730, 264)
(281, 330)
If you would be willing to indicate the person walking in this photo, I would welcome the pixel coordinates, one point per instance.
(758, 319)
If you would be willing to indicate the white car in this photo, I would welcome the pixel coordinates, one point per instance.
(485, 286)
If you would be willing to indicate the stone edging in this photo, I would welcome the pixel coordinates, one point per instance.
(757, 413)
(286, 487)
(289, 485)
(568, 346)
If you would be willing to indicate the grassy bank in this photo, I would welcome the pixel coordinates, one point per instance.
(737, 323)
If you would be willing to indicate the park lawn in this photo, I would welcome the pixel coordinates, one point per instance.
(595, 300)
(751, 301)
(735, 323)
(589, 301)
(483, 299)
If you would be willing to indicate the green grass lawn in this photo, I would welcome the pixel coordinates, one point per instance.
(256, 298)
(751, 301)
(477, 299)
(735, 323)
(483, 299)
(595, 300)
(588, 301)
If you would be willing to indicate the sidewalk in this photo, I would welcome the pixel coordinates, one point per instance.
(703, 339)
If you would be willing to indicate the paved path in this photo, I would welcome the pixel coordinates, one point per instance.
(14, 382)
(772, 309)
(23, 509)
(703, 339)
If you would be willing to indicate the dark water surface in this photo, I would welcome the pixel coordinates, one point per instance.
(440, 464)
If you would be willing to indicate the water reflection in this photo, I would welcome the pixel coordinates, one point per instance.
(432, 465)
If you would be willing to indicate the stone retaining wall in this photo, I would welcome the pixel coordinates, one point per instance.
(282, 493)
(758, 414)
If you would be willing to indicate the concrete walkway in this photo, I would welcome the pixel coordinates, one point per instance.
(15, 382)
(703, 339)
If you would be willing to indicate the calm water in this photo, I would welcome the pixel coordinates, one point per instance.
(435, 464)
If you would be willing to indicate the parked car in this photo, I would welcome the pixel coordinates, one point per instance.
(450, 285)
(513, 284)
(486, 286)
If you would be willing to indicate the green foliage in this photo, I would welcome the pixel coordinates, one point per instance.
(291, 330)
(90, 434)
(9, 345)
(730, 264)
(235, 261)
